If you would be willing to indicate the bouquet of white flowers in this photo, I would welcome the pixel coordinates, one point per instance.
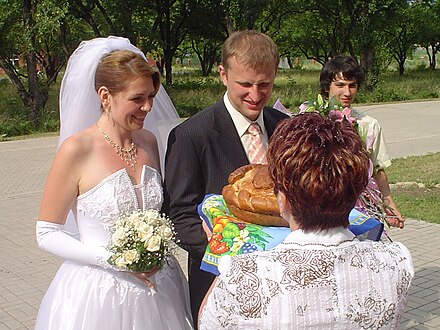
(141, 241)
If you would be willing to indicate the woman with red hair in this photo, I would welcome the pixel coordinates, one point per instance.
(321, 276)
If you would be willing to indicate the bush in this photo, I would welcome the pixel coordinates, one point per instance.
(14, 126)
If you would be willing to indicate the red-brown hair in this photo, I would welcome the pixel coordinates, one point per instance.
(118, 68)
(321, 166)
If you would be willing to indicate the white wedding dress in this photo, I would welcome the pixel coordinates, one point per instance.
(91, 297)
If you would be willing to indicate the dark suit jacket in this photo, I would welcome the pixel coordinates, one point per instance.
(201, 153)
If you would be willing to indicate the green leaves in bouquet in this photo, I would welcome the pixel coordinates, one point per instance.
(150, 261)
(334, 110)
(322, 105)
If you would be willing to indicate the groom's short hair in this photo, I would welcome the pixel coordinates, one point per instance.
(340, 65)
(251, 48)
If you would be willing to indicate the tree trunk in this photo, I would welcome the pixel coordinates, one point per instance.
(229, 25)
(36, 100)
(401, 67)
(289, 61)
(13, 76)
(168, 58)
(432, 59)
(367, 59)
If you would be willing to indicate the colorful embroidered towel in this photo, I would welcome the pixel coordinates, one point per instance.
(232, 236)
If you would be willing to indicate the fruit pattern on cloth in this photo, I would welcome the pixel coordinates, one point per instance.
(233, 236)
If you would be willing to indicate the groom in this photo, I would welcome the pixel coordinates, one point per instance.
(206, 148)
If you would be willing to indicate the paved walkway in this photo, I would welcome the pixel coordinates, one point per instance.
(26, 271)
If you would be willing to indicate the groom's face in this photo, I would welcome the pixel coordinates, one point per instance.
(249, 89)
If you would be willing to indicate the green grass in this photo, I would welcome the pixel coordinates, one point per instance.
(191, 92)
(420, 169)
(417, 203)
(14, 119)
(415, 84)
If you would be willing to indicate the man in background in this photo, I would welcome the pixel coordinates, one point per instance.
(342, 77)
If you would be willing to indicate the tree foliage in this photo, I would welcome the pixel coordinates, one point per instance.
(34, 33)
(42, 34)
(402, 35)
(429, 14)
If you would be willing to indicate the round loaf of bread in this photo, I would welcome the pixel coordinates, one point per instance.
(250, 196)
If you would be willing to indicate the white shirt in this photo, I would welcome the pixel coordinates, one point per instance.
(325, 280)
(376, 145)
(242, 124)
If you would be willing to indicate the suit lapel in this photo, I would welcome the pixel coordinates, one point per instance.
(269, 123)
(271, 119)
(227, 139)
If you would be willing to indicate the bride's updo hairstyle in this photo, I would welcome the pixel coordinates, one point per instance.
(321, 166)
(116, 69)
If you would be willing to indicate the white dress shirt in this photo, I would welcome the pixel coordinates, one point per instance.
(324, 280)
(242, 124)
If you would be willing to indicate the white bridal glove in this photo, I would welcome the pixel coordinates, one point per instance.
(52, 238)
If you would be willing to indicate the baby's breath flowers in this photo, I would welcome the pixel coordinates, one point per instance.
(141, 241)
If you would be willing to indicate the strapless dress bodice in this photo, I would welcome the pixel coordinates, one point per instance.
(97, 209)
(83, 296)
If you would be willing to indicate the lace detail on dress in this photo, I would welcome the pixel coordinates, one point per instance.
(110, 198)
(152, 189)
(115, 195)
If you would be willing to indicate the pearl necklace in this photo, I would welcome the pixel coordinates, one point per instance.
(127, 155)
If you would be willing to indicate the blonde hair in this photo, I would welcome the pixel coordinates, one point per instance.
(117, 68)
(251, 48)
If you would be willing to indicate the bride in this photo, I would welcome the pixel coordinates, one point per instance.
(107, 165)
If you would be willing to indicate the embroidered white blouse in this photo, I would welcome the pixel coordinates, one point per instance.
(325, 280)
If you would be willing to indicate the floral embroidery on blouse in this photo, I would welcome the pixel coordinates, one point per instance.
(302, 268)
(372, 311)
(325, 287)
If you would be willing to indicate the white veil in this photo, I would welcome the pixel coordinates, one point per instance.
(80, 105)
(79, 102)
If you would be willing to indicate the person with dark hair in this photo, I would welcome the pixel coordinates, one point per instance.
(321, 276)
(342, 77)
(341, 72)
(107, 166)
(206, 148)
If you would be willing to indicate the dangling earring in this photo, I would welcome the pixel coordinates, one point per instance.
(107, 111)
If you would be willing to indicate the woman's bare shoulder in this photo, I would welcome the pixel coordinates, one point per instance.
(147, 141)
(77, 147)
